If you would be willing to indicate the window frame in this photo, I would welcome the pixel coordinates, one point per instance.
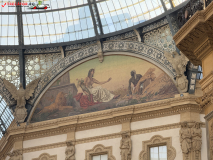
(157, 145)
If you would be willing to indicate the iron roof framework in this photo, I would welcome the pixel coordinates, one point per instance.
(99, 36)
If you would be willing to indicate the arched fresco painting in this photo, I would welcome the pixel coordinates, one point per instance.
(94, 86)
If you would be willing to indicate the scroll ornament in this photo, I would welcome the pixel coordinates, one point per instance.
(21, 95)
(126, 147)
(179, 63)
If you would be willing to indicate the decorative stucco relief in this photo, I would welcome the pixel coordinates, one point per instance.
(15, 155)
(46, 156)
(99, 149)
(191, 140)
(179, 63)
(70, 151)
(21, 95)
(155, 141)
(126, 147)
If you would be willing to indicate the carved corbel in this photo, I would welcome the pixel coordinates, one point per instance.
(15, 155)
(138, 35)
(126, 146)
(70, 150)
(100, 52)
(179, 63)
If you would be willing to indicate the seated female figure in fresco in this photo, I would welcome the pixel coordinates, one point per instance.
(94, 95)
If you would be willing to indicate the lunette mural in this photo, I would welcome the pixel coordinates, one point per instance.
(94, 86)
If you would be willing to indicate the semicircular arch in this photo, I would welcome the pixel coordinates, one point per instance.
(135, 49)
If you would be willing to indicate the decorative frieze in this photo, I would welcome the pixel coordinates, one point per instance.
(42, 50)
(155, 25)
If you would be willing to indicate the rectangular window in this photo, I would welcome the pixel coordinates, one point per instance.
(158, 153)
(100, 157)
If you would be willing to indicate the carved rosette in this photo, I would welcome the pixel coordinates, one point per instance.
(154, 141)
(191, 140)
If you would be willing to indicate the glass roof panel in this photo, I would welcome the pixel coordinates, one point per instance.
(5, 6)
(120, 14)
(167, 4)
(177, 2)
(39, 5)
(8, 30)
(58, 26)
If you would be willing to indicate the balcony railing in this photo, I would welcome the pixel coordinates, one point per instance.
(189, 10)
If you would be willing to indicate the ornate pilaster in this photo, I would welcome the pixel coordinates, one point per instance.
(70, 151)
(191, 140)
(126, 146)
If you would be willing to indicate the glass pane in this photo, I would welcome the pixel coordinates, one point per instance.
(154, 153)
(104, 157)
(163, 153)
(119, 14)
(96, 158)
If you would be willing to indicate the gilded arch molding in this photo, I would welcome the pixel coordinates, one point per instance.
(157, 140)
(98, 150)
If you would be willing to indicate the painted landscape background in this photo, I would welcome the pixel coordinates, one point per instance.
(66, 98)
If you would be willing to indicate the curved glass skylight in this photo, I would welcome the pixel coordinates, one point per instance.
(120, 14)
(71, 20)
(51, 4)
(58, 26)
(8, 30)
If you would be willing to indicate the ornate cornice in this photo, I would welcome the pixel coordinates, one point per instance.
(193, 38)
(100, 119)
(155, 25)
(206, 100)
(104, 137)
(207, 82)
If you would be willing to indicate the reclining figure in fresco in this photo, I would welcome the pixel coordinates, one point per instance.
(94, 95)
